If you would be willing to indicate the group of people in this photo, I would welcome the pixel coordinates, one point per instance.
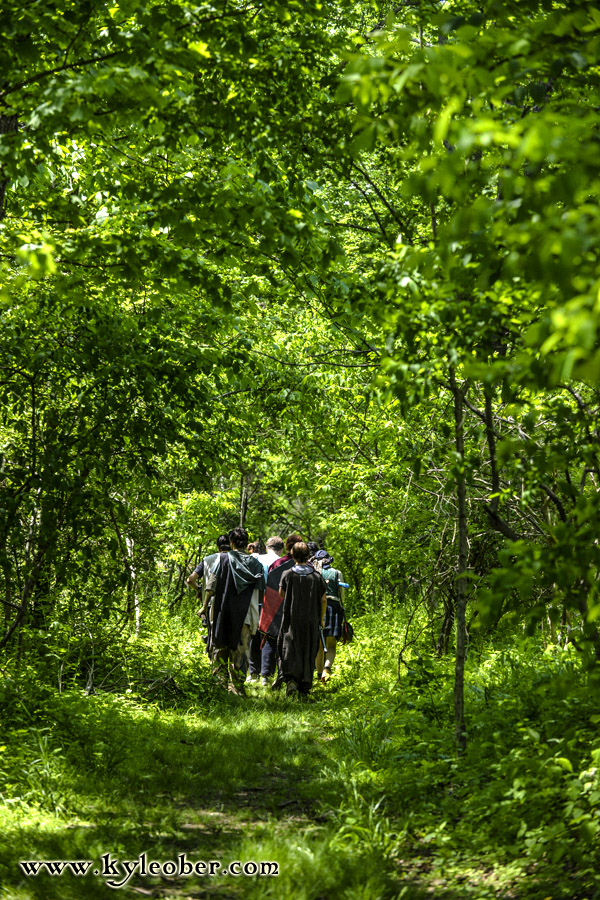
(272, 617)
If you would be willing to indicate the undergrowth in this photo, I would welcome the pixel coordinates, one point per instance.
(357, 793)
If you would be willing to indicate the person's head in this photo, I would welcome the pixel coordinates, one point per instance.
(223, 543)
(253, 547)
(290, 541)
(324, 558)
(275, 544)
(312, 547)
(300, 552)
(238, 538)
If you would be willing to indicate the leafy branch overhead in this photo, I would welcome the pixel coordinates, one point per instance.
(338, 259)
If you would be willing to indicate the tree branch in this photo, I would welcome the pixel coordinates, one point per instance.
(65, 66)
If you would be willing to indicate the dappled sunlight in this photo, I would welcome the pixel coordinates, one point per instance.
(358, 792)
(324, 276)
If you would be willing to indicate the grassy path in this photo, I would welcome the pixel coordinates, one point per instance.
(215, 777)
(245, 780)
(356, 794)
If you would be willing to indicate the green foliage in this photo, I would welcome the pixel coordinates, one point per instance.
(359, 790)
(193, 244)
(247, 254)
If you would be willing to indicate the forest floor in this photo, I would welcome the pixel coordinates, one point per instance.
(356, 793)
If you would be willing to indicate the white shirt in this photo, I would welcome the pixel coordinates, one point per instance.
(267, 558)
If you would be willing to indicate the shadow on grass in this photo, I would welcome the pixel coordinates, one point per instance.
(122, 778)
(307, 868)
(258, 780)
(243, 780)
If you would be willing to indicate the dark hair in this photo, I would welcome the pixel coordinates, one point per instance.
(238, 537)
(312, 547)
(259, 546)
(292, 539)
(275, 543)
(223, 542)
(300, 551)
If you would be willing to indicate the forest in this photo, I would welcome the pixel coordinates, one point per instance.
(320, 267)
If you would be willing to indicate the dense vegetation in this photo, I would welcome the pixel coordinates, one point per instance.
(323, 267)
(358, 793)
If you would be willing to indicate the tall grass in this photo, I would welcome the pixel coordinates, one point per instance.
(357, 793)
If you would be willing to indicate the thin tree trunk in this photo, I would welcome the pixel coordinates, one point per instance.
(443, 641)
(463, 561)
(126, 548)
(243, 501)
(132, 594)
(8, 601)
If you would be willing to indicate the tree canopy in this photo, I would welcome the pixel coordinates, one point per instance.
(328, 267)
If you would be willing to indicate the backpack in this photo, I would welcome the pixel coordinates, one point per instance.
(331, 577)
(347, 631)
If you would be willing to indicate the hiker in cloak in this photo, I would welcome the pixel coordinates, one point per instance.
(197, 582)
(334, 615)
(236, 584)
(270, 617)
(304, 597)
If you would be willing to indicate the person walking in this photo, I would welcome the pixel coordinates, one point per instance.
(235, 585)
(274, 551)
(304, 597)
(270, 617)
(262, 649)
(197, 582)
(334, 615)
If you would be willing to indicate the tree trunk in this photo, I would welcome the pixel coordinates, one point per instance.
(243, 501)
(127, 549)
(463, 561)
(133, 603)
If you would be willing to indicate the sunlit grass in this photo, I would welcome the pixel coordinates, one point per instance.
(356, 793)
